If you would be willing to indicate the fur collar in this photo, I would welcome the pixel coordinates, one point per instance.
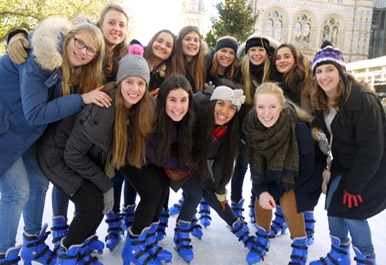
(47, 41)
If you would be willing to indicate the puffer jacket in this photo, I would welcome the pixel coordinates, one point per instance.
(30, 94)
(94, 121)
(86, 150)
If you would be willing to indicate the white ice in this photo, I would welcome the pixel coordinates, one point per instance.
(219, 246)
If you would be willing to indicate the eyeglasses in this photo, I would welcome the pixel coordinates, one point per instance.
(80, 45)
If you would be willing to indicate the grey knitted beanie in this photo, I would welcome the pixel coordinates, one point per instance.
(133, 65)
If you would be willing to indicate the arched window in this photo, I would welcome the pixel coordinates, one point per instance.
(298, 32)
(269, 27)
(331, 31)
(303, 29)
(274, 26)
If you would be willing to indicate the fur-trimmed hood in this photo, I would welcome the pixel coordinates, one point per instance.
(47, 41)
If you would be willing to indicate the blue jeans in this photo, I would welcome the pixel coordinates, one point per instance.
(59, 203)
(23, 189)
(359, 231)
(340, 227)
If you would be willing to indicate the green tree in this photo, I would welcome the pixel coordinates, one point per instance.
(235, 17)
(28, 13)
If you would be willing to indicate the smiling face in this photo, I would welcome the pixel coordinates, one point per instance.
(191, 45)
(79, 56)
(225, 57)
(114, 27)
(257, 55)
(163, 46)
(177, 104)
(327, 76)
(224, 111)
(133, 89)
(284, 60)
(268, 108)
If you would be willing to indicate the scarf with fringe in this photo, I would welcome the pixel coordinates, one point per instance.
(273, 152)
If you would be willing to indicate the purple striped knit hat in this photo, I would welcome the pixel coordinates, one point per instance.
(329, 55)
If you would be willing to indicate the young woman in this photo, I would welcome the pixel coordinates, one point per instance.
(169, 147)
(158, 54)
(62, 66)
(113, 23)
(100, 141)
(222, 64)
(215, 148)
(255, 55)
(281, 153)
(293, 73)
(189, 58)
(351, 116)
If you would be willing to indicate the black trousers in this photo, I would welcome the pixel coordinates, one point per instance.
(89, 202)
(152, 186)
(193, 193)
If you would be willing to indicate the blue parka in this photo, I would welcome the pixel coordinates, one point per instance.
(30, 94)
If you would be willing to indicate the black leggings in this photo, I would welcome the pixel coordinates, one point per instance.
(193, 193)
(152, 186)
(89, 202)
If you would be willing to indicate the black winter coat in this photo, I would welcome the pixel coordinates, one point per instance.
(75, 149)
(358, 149)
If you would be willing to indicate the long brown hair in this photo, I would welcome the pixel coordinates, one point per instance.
(300, 74)
(88, 76)
(197, 64)
(320, 99)
(185, 140)
(148, 53)
(131, 129)
(111, 60)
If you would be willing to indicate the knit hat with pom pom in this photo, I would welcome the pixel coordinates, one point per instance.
(133, 65)
(329, 55)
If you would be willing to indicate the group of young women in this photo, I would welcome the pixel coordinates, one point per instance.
(85, 111)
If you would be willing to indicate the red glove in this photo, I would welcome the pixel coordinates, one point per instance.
(350, 199)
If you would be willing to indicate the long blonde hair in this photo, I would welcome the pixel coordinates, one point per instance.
(230, 72)
(248, 78)
(88, 76)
